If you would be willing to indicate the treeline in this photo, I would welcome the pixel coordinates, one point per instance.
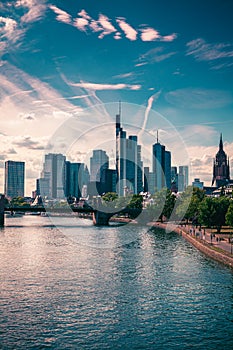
(194, 206)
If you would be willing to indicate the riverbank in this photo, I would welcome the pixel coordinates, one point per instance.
(209, 248)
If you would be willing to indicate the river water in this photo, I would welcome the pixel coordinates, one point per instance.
(76, 286)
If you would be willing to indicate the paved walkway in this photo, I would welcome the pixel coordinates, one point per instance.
(206, 235)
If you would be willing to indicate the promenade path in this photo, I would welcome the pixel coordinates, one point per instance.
(204, 240)
(206, 235)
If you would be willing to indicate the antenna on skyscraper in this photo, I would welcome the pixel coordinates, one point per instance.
(120, 108)
(157, 135)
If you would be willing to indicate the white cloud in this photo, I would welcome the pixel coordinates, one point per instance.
(62, 16)
(129, 31)
(9, 29)
(149, 34)
(108, 28)
(99, 87)
(81, 23)
(104, 25)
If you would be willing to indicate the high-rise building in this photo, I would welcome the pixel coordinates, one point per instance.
(14, 179)
(184, 173)
(161, 164)
(42, 187)
(128, 161)
(221, 168)
(98, 162)
(74, 179)
(54, 171)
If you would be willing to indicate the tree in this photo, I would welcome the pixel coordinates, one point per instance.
(189, 202)
(229, 215)
(212, 212)
(169, 204)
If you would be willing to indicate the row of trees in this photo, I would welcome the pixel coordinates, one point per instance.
(192, 206)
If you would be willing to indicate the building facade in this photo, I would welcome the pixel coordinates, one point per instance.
(14, 179)
(161, 165)
(54, 171)
(98, 162)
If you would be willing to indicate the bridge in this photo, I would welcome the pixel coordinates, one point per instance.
(100, 214)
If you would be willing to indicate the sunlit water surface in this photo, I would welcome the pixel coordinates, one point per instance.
(121, 287)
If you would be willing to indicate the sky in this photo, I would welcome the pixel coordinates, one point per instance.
(64, 65)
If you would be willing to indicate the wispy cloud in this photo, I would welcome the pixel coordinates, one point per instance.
(203, 51)
(199, 98)
(155, 55)
(62, 16)
(28, 142)
(129, 31)
(125, 75)
(9, 30)
(99, 87)
(150, 102)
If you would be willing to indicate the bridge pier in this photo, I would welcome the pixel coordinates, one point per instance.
(100, 218)
(2, 206)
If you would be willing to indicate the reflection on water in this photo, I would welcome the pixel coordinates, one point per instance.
(103, 290)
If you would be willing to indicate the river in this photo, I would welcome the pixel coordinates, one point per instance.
(70, 285)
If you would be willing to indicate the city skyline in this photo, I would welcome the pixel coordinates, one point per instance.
(172, 58)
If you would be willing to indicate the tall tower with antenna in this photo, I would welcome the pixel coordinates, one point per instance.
(128, 161)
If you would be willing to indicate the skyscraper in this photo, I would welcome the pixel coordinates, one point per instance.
(54, 172)
(161, 164)
(98, 162)
(74, 179)
(14, 179)
(128, 161)
(184, 174)
(221, 168)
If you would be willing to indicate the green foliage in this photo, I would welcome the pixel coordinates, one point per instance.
(19, 202)
(229, 215)
(212, 212)
(163, 204)
(136, 202)
(189, 203)
(109, 196)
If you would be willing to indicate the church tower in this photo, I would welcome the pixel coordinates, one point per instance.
(221, 168)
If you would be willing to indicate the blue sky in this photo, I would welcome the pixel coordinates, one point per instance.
(59, 57)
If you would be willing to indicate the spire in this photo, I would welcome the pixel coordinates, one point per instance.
(120, 108)
(220, 143)
(158, 136)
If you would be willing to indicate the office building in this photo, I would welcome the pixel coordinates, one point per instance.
(14, 179)
(184, 173)
(75, 179)
(161, 165)
(128, 161)
(54, 171)
(98, 162)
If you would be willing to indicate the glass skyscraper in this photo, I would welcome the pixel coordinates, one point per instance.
(14, 179)
(128, 162)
